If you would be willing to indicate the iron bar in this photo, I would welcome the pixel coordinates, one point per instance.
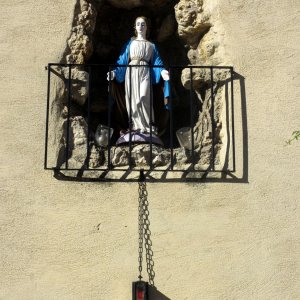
(154, 66)
(151, 116)
(130, 120)
(191, 117)
(212, 118)
(137, 169)
(232, 119)
(170, 106)
(47, 120)
(68, 117)
(89, 119)
(109, 120)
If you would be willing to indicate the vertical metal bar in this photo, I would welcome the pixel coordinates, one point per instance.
(212, 118)
(151, 116)
(89, 119)
(109, 119)
(68, 117)
(232, 119)
(130, 120)
(47, 119)
(171, 120)
(191, 116)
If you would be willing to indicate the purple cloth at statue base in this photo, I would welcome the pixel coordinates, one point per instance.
(138, 137)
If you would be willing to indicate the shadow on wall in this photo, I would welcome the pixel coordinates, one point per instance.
(155, 294)
(229, 176)
(241, 80)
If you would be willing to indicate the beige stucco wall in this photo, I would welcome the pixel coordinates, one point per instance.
(63, 240)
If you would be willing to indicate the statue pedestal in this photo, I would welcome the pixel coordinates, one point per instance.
(139, 138)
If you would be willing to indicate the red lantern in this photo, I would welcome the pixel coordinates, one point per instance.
(140, 290)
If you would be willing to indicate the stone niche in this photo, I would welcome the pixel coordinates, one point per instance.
(186, 32)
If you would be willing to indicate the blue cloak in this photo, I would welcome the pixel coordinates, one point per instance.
(156, 61)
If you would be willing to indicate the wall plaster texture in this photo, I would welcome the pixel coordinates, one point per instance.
(64, 240)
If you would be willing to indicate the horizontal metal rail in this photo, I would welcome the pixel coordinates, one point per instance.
(152, 66)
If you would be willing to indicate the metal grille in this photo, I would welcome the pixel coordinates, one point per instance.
(210, 77)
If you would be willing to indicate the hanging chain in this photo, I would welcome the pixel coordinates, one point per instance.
(145, 234)
(141, 200)
(148, 242)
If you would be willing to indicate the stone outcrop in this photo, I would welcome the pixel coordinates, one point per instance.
(120, 156)
(79, 84)
(77, 141)
(202, 34)
(97, 157)
(141, 156)
(202, 77)
(80, 48)
(80, 42)
(192, 21)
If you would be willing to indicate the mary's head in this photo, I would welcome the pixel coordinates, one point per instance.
(142, 26)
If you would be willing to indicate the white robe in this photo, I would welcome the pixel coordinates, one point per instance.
(139, 91)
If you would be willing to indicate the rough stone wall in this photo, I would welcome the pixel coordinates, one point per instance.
(78, 50)
(202, 33)
(80, 43)
(224, 240)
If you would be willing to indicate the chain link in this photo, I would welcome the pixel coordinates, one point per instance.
(145, 234)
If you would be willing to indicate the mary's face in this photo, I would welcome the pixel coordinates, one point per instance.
(141, 26)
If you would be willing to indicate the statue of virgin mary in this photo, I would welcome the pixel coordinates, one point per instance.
(140, 53)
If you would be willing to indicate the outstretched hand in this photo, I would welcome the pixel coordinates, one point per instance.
(165, 75)
(111, 76)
